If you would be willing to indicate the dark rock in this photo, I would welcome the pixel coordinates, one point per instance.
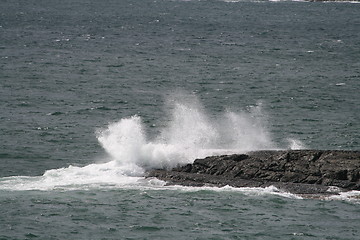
(296, 171)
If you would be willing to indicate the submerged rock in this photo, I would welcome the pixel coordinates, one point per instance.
(295, 171)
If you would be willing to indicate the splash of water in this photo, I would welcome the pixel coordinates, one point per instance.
(295, 144)
(190, 134)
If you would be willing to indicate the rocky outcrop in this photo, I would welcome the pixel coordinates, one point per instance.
(296, 171)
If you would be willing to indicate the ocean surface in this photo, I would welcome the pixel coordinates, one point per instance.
(94, 93)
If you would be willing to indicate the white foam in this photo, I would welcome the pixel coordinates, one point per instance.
(249, 191)
(351, 196)
(189, 134)
(295, 144)
(91, 176)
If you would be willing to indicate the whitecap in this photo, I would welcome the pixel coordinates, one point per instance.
(189, 134)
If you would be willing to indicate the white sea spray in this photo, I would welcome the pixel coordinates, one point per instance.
(190, 133)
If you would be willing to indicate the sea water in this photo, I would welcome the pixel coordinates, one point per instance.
(93, 94)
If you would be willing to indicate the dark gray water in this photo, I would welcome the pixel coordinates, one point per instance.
(202, 77)
(132, 214)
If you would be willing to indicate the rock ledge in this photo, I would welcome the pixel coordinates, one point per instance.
(295, 171)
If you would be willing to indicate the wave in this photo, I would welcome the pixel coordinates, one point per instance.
(189, 134)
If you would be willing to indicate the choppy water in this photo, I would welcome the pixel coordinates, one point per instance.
(94, 93)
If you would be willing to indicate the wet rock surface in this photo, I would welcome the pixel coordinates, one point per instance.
(295, 171)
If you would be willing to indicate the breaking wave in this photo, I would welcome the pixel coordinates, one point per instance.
(189, 134)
